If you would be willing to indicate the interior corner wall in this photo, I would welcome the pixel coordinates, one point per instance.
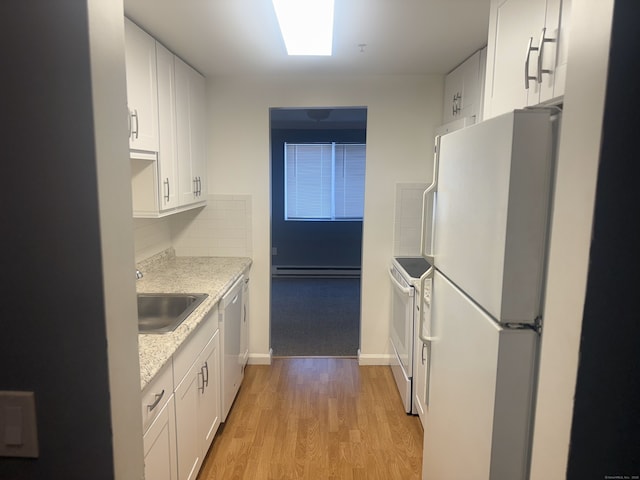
(109, 96)
(402, 114)
(54, 338)
(571, 233)
(606, 414)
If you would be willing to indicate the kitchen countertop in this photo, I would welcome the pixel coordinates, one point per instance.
(166, 273)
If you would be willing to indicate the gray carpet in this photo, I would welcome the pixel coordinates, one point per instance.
(315, 316)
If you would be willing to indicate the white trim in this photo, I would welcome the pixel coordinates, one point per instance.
(315, 271)
(374, 358)
(260, 358)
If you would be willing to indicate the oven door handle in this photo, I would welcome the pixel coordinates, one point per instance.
(405, 290)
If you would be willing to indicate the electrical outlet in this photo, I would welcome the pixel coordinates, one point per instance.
(18, 431)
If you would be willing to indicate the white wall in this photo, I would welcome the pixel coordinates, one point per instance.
(571, 235)
(403, 112)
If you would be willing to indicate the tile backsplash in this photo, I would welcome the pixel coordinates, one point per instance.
(221, 229)
(151, 236)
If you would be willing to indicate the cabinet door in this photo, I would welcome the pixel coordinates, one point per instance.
(160, 445)
(140, 58)
(168, 153)
(472, 82)
(453, 87)
(190, 116)
(463, 89)
(420, 378)
(209, 403)
(555, 49)
(512, 24)
(187, 401)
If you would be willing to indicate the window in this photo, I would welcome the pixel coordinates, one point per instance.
(324, 181)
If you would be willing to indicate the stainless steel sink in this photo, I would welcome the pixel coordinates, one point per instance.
(164, 312)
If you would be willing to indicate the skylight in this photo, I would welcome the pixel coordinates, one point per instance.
(306, 26)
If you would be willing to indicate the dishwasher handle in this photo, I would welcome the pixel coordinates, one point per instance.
(232, 294)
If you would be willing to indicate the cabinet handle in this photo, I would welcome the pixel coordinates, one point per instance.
(201, 374)
(424, 345)
(166, 197)
(129, 121)
(457, 108)
(543, 40)
(199, 186)
(195, 186)
(134, 114)
(527, 77)
(206, 377)
(156, 401)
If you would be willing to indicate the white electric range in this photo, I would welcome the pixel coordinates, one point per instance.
(406, 274)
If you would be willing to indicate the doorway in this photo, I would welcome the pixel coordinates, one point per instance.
(318, 161)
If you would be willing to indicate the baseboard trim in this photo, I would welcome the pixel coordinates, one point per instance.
(295, 271)
(260, 358)
(374, 358)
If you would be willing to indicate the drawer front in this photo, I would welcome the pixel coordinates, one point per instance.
(156, 394)
(192, 346)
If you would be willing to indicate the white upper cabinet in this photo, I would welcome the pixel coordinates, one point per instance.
(190, 114)
(168, 154)
(464, 87)
(167, 119)
(142, 96)
(526, 53)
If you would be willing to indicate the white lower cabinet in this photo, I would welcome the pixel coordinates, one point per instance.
(160, 445)
(209, 408)
(181, 407)
(197, 399)
(420, 379)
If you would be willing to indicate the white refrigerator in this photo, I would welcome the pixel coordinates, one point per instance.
(488, 245)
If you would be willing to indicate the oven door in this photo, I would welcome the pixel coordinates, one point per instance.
(401, 335)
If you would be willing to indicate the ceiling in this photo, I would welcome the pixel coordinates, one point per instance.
(371, 37)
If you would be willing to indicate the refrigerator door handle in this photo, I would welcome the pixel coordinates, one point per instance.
(430, 191)
(425, 339)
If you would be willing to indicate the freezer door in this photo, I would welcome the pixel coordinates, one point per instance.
(481, 383)
(491, 212)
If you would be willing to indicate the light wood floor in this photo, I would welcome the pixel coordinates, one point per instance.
(322, 418)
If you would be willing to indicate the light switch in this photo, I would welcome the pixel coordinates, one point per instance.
(13, 427)
(18, 432)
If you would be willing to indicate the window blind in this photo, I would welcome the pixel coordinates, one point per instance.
(324, 181)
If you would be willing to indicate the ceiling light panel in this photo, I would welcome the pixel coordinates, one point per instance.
(306, 26)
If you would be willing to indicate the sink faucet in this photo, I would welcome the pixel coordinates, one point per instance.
(138, 274)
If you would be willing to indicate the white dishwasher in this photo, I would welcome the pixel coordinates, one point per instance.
(230, 323)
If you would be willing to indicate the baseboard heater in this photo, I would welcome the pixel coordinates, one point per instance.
(314, 271)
